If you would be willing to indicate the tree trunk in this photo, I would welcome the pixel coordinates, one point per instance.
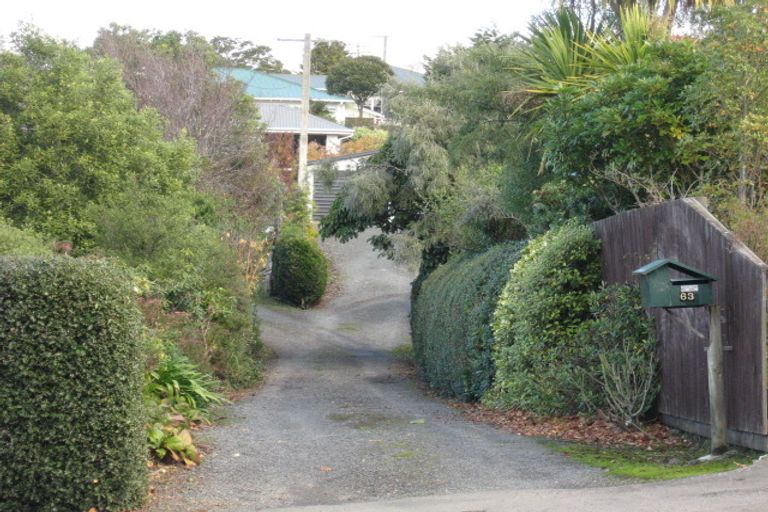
(360, 109)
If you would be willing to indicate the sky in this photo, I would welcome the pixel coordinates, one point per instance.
(414, 28)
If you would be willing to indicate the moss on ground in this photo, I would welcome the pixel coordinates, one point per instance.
(659, 464)
(403, 353)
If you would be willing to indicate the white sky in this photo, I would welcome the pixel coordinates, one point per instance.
(415, 28)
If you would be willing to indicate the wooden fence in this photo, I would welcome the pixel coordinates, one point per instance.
(686, 231)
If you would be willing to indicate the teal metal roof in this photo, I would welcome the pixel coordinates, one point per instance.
(402, 75)
(266, 86)
(315, 81)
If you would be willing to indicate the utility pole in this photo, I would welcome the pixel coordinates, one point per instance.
(384, 53)
(303, 178)
(304, 135)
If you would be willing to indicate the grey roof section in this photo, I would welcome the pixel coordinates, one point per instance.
(407, 76)
(284, 119)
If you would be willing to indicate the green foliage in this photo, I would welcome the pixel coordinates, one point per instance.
(617, 370)
(193, 269)
(359, 77)
(538, 320)
(326, 54)
(241, 53)
(625, 140)
(438, 177)
(178, 396)
(728, 103)
(145, 230)
(176, 75)
(71, 415)
(450, 321)
(21, 242)
(72, 137)
(299, 268)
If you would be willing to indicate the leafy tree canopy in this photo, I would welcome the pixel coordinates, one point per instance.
(72, 136)
(244, 54)
(176, 77)
(359, 77)
(326, 54)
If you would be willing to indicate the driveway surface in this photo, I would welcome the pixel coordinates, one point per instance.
(337, 421)
(337, 427)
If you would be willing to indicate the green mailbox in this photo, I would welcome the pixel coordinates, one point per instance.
(659, 290)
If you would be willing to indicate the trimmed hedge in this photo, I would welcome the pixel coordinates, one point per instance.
(299, 268)
(71, 411)
(450, 321)
(538, 320)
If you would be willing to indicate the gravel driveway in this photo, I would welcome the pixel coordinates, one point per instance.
(336, 420)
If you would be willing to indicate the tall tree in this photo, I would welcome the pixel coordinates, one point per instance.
(670, 10)
(244, 54)
(71, 137)
(326, 54)
(183, 86)
(359, 77)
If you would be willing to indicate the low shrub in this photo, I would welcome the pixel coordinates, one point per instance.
(21, 242)
(178, 397)
(617, 371)
(450, 321)
(538, 320)
(71, 413)
(193, 269)
(299, 268)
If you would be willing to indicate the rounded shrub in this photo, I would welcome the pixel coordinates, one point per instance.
(538, 320)
(617, 371)
(450, 321)
(71, 414)
(299, 268)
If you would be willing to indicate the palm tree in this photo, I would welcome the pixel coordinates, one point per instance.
(561, 52)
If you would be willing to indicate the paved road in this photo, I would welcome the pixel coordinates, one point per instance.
(743, 490)
(336, 421)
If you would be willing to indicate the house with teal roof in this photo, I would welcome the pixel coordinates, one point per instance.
(279, 102)
(285, 90)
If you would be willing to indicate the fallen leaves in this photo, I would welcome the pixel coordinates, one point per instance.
(326, 469)
(572, 428)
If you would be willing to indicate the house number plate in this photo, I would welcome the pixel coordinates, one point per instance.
(688, 292)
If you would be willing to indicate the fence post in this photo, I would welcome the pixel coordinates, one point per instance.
(716, 382)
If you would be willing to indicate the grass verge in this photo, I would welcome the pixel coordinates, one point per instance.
(659, 464)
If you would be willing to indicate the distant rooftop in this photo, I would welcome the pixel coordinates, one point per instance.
(403, 75)
(284, 119)
(273, 86)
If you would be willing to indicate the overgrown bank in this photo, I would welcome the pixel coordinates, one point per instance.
(129, 262)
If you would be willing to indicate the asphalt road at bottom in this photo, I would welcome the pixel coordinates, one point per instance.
(337, 424)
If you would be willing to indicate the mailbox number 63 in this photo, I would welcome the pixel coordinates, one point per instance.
(687, 296)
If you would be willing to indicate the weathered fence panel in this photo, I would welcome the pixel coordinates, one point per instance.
(686, 231)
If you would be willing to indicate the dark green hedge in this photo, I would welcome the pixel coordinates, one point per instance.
(71, 413)
(538, 320)
(299, 268)
(450, 321)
